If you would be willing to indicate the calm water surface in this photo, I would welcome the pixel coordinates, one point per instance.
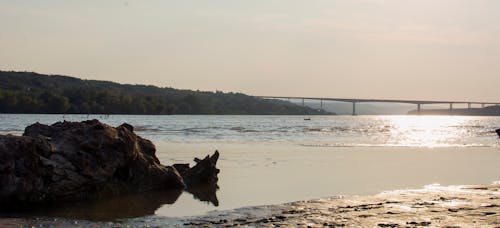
(277, 159)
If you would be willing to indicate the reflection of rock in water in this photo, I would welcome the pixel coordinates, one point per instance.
(206, 193)
(128, 206)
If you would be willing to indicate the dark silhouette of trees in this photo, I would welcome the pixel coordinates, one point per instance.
(26, 92)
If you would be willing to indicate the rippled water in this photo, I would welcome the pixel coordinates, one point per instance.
(320, 131)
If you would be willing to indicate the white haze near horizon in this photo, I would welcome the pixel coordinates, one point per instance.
(394, 49)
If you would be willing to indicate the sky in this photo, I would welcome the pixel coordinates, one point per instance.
(384, 49)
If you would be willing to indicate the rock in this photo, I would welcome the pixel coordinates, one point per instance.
(203, 173)
(70, 161)
(498, 132)
(201, 179)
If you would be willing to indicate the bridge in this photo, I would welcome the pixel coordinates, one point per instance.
(354, 101)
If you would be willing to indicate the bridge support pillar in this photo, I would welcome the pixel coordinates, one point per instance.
(482, 105)
(353, 108)
(469, 105)
(321, 104)
(419, 108)
(451, 108)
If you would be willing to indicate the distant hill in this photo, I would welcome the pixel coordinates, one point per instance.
(486, 111)
(27, 92)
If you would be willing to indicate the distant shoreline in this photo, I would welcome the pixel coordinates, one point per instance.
(32, 93)
(128, 114)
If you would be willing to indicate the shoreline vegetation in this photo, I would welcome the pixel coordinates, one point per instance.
(434, 205)
(33, 93)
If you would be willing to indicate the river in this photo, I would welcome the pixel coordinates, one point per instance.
(277, 159)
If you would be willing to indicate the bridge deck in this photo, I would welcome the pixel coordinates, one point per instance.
(356, 100)
(419, 103)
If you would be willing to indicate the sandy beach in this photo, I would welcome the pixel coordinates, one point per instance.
(433, 206)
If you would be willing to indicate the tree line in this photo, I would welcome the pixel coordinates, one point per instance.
(27, 92)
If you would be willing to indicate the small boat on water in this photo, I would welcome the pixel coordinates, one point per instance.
(310, 119)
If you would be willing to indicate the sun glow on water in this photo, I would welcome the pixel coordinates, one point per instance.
(427, 131)
(320, 131)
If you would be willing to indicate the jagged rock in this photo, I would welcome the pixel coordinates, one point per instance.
(203, 173)
(70, 161)
(201, 179)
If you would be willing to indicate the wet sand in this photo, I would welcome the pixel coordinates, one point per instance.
(264, 174)
(460, 206)
(455, 206)
(434, 206)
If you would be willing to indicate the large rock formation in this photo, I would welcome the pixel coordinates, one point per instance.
(70, 161)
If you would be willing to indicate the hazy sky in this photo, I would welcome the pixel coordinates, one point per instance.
(420, 49)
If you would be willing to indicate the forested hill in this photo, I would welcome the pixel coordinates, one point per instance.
(26, 92)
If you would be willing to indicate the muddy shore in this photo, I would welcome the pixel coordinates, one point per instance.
(433, 206)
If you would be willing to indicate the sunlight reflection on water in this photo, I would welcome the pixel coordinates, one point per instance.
(427, 131)
(320, 131)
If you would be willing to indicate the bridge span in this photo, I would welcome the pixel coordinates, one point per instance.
(419, 103)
